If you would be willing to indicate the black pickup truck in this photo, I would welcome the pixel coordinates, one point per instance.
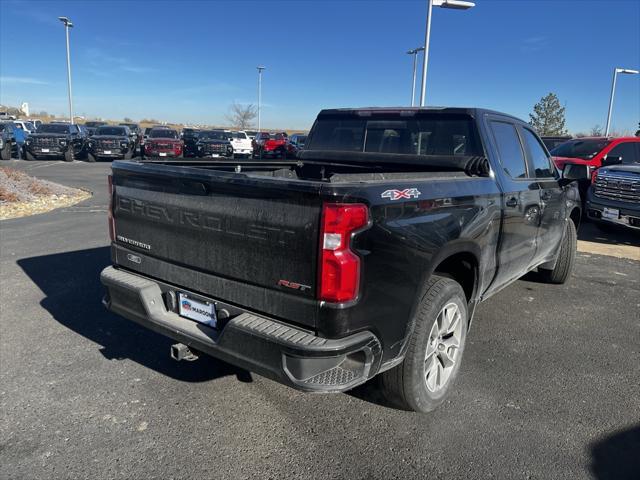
(365, 256)
(111, 142)
(56, 140)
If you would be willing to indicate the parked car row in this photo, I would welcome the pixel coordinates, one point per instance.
(98, 140)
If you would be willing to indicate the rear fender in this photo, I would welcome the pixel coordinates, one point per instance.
(452, 248)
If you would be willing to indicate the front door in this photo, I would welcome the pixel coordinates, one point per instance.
(552, 198)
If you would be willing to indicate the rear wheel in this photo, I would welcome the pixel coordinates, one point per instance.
(5, 153)
(29, 156)
(68, 155)
(128, 155)
(90, 158)
(566, 258)
(432, 361)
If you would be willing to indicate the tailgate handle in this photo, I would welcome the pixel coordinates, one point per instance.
(193, 188)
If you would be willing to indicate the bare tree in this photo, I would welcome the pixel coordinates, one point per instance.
(596, 131)
(241, 116)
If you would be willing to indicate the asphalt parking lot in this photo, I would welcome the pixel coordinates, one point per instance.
(549, 387)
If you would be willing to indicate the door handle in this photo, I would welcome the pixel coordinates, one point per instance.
(512, 202)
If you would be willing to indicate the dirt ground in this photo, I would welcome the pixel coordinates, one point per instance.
(22, 194)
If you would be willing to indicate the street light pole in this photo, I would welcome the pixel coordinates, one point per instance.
(414, 52)
(425, 59)
(455, 4)
(616, 71)
(260, 69)
(67, 25)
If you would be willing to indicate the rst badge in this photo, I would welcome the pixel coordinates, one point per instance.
(294, 285)
(401, 194)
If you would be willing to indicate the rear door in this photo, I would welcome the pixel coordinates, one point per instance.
(521, 203)
(552, 203)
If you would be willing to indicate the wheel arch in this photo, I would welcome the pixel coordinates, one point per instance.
(460, 261)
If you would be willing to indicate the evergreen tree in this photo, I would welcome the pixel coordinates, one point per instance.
(548, 117)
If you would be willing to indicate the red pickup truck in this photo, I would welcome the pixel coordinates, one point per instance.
(269, 145)
(163, 142)
(596, 152)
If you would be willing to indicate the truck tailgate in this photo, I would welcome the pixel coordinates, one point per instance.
(257, 234)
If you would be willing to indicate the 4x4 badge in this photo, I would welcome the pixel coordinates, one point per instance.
(398, 194)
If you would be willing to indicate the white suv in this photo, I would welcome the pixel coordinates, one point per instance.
(241, 144)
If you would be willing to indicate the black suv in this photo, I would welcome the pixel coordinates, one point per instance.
(136, 131)
(55, 140)
(111, 142)
(214, 143)
(92, 126)
(8, 140)
(190, 139)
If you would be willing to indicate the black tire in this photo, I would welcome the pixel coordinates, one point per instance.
(30, 157)
(5, 153)
(566, 258)
(405, 385)
(68, 155)
(91, 158)
(128, 155)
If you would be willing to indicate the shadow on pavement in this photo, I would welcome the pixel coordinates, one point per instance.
(71, 283)
(617, 456)
(609, 235)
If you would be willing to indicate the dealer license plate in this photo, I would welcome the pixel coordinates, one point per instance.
(203, 312)
(611, 213)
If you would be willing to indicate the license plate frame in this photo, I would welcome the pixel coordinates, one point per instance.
(45, 150)
(610, 213)
(197, 310)
(107, 152)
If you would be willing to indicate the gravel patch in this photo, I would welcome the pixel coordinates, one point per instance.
(22, 195)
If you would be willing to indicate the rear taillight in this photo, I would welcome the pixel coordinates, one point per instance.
(339, 269)
(112, 224)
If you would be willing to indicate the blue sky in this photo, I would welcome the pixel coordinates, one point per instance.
(188, 61)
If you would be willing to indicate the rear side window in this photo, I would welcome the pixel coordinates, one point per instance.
(509, 149)
(537, 155)
(627, 151)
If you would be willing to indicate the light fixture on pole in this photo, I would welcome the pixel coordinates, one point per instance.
(616, 71)
(260, 69)
(454, 4)
(414, 52)
(67, 25)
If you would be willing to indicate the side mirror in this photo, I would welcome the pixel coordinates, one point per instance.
(611, 160)
(573, 172)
